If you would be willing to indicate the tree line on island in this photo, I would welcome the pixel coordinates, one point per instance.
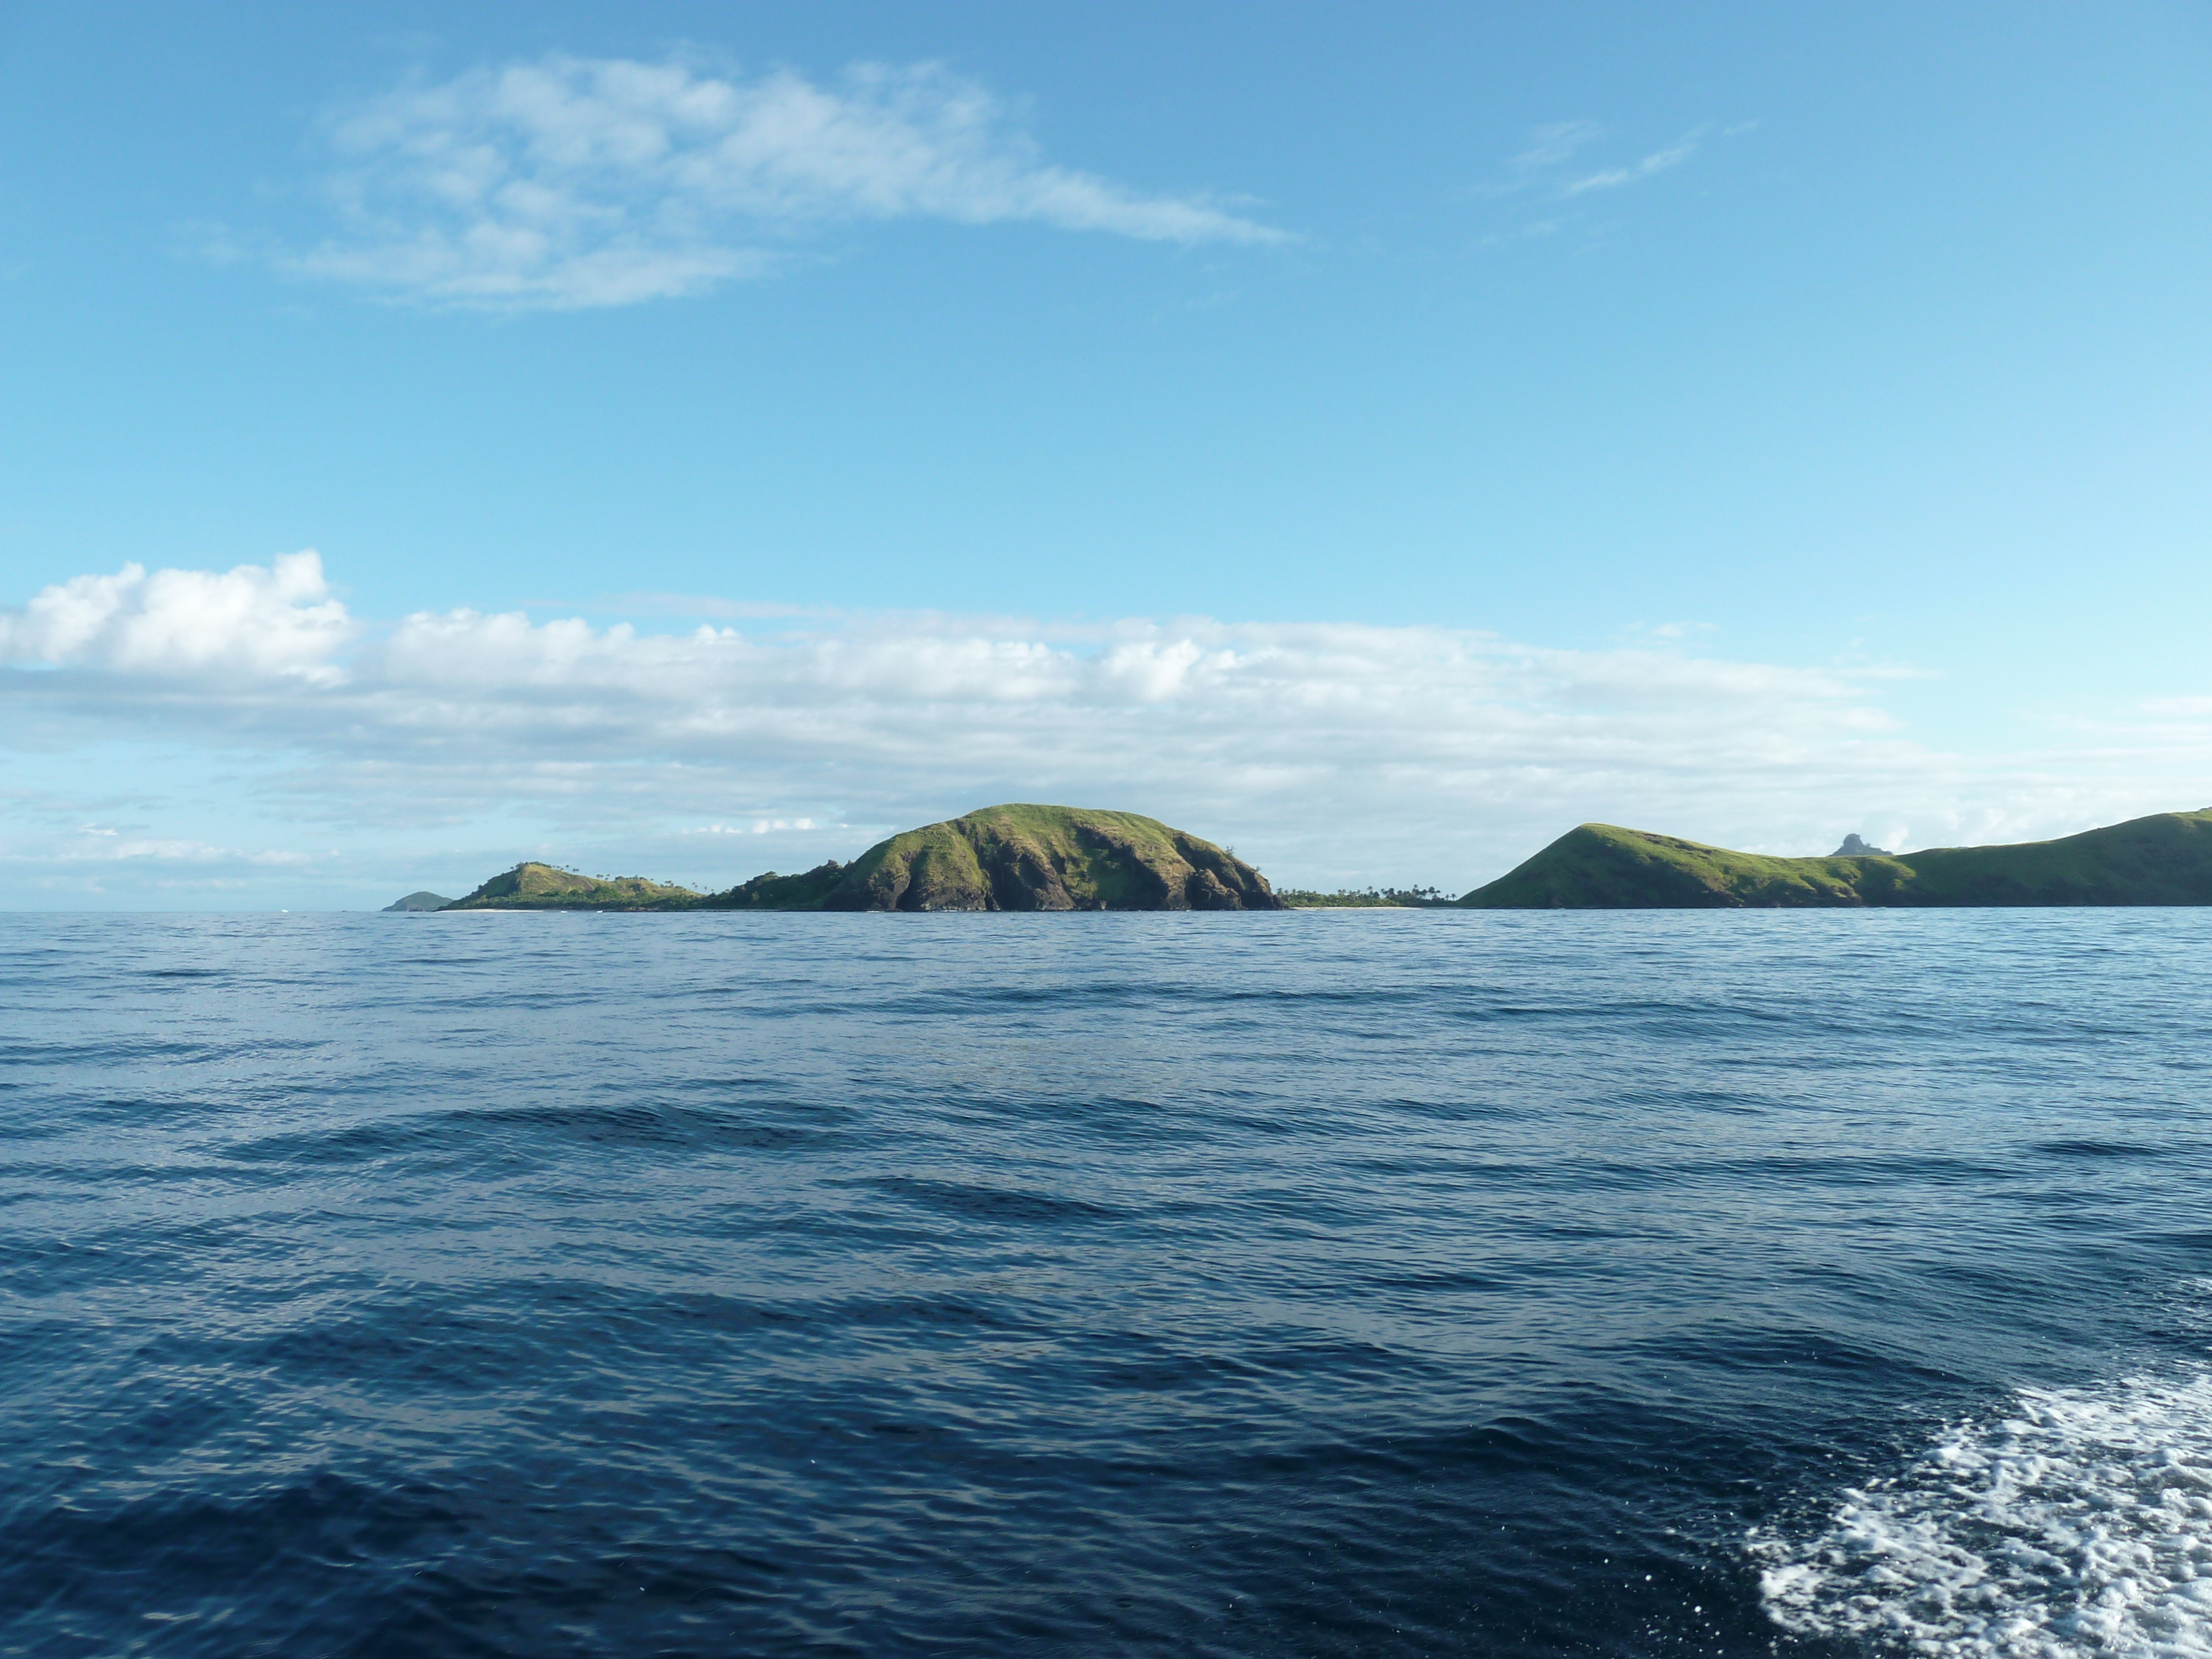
(1020, 857)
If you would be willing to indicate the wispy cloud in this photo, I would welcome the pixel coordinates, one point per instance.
(571, 182)
(1330, 751)
(758, 827)
(692, 604)
(1545, 167)
(1555, 145)
(107, 846)
(1658, 161)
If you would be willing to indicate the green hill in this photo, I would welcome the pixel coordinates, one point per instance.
(1023, 858)
(1002, 857)
(773, 892)
(422, 900)
(533, 886)
(2164, 858)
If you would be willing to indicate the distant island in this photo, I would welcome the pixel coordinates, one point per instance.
(1015, 856)
(1366, 898)
(2164, 858)
(1020, 857)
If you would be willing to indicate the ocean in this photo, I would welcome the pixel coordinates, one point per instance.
(1373, 1283)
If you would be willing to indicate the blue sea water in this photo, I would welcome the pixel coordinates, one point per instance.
(1380, 1283)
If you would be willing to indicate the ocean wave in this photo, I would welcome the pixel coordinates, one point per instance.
(2078, 1522)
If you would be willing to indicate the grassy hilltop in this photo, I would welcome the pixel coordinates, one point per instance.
(1023, 857)
(534, 886)
(1002, 858)
(2164, 858)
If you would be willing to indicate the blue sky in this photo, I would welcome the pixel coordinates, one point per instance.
(1378, 439)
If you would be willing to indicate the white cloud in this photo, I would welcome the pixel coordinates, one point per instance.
(111, 847)
(574, 182)
(1556, 144)
(1328, 751)
(1546, 177)
(758, 827)
(1658, 161)
(279, 622)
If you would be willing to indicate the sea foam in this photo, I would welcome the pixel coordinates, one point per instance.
(2078, 1522)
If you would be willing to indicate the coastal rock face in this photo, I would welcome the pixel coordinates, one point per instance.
(533, 886)
(1024, 857)
(2164, 858)
(1855, 847)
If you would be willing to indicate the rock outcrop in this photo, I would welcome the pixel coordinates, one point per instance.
(1855, 847)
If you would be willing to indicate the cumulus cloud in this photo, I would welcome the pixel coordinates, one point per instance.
(571, 182)
(280, 622)
(1330, 751)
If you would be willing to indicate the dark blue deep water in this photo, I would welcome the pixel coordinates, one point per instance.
(1368, 1283)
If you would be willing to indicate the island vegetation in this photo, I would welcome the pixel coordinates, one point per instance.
(2164, 858)
(533, 886)
(1366, 898)
(1025, 857)
(1014, 857)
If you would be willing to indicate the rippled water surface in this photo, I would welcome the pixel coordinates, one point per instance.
(1364, 1283)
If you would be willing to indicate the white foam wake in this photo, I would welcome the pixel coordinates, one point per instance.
(2079, 1524)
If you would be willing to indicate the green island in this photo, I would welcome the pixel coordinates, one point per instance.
(1015, 856)
(2164, 859)
(1366, 898)
(1020, 857)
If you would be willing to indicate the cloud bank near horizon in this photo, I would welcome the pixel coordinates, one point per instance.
(570, 182)
(1328, 751)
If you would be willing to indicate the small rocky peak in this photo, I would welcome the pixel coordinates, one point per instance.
(1855, 848)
